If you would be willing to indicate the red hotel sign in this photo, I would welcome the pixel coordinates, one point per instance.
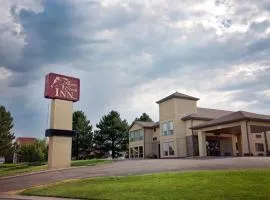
(62, 87)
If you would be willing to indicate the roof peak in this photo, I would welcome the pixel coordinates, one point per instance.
(145, 124)
(177, 95)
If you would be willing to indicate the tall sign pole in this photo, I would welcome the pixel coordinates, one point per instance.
(63, 91)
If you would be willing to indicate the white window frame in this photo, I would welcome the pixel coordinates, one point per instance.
(136, 135)
(167, 128)
(168, 143)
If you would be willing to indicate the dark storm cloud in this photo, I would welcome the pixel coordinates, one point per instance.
(49, 36)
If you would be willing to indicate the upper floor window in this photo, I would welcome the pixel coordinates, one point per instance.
(136, 135)
(167, 128)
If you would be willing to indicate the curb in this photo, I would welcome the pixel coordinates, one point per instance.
(48, 170)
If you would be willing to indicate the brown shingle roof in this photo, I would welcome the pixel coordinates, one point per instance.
(178, 96)
(25, 140)
(234, 117)
(145, 124)
(206, 114)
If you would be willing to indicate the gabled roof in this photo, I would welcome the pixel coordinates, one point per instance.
(145, 124)
(178, 96)
(234, 117)
(206, 114)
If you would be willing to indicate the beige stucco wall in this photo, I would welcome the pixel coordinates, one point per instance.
(61, 114)
(174, 110)
(255, 140)
(268, 139)
(59, 152)
(148, 140)
(167, 110)
(60, 147)
(166, 113)
(189, 124)
(184, 107)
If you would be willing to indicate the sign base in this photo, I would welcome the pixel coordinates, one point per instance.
(59, 152)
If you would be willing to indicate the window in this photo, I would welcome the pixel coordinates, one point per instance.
(131, 153)
(136, 135)
(140, 152)
(171, 149)
(136, 152)
(164, 129)
(168, 148)
(258, 136)
(259, 147)
(167, 128)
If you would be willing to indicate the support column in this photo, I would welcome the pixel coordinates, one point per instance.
(266, 143)
(234, 140)
(60, 145)
(202, 143)
(251, 139)
(239, 143)
(245, 144)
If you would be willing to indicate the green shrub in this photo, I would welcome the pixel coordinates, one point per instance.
(34, 152)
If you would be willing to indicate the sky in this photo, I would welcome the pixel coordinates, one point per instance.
(131, 53)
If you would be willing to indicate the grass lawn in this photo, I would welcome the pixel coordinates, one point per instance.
(15, 169)
(91, 162)
(206, 185)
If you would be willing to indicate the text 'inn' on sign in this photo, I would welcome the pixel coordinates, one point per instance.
(62, 87)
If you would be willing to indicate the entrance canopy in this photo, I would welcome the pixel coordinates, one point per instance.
(239, 124)
(231, 123)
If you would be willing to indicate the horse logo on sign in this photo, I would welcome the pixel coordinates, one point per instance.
(62, 87)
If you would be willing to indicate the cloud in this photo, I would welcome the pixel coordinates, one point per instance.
(129, 54)
(4, 73)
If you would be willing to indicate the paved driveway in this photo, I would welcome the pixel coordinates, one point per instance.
(128, 167)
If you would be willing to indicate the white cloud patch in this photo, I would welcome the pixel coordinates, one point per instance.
(4, 73)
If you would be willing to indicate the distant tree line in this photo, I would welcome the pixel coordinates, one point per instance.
(109, 139)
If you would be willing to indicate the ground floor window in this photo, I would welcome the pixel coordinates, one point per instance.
(136, 152)
(168, 149)
(140, 152)
(259, 147)
(131, 153)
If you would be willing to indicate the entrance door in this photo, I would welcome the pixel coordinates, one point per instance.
(213, 147)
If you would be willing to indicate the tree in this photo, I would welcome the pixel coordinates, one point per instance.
(83, 141)
(144, 118)
(112, 135)
(33, 152)
(6, 137)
